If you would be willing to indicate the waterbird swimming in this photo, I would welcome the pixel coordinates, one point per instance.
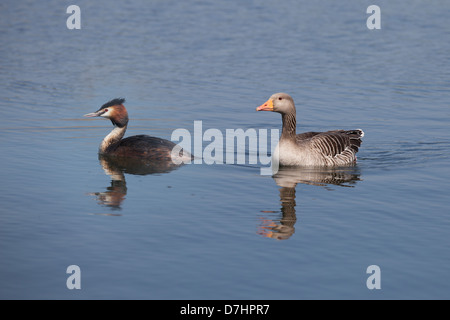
(330, 148)
(139, 146)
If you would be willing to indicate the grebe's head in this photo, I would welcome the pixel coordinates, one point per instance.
(113, 110)
(279, 102)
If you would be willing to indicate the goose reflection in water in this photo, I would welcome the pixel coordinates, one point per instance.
(116, 167)
(287, 178)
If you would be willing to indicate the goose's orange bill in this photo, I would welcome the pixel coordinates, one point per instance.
(267, 106)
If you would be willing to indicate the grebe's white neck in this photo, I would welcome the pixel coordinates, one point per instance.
(112, 139)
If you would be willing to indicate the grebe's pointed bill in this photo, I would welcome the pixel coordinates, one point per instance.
(267, 106)
(98, 113)
(93, 114)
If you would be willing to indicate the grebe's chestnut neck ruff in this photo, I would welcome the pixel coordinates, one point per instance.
(331, 148)
(141, 146)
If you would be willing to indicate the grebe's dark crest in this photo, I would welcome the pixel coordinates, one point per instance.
(140, 146)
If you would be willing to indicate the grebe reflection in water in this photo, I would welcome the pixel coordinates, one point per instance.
(116, 167)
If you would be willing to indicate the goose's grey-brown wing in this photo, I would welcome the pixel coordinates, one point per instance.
(338, 146)
(305, 136)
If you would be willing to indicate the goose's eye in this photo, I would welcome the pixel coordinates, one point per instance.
(280, 98)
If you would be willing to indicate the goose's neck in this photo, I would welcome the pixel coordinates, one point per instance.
(111, 141)
(289, 126)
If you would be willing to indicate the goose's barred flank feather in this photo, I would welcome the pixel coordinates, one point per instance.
(338, 147)
(333, 143)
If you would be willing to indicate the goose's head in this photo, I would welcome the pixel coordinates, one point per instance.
(278, 102)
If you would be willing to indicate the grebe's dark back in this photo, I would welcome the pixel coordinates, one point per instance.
(140, 146)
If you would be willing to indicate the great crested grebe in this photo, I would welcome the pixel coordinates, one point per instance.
(140, 146)
(331, 148)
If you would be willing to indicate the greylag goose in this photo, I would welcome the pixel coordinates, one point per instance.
(331, 148)
(140, 146)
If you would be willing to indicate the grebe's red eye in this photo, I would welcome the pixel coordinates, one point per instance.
(106, 110)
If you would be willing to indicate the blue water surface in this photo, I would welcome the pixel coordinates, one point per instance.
(224, 231)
